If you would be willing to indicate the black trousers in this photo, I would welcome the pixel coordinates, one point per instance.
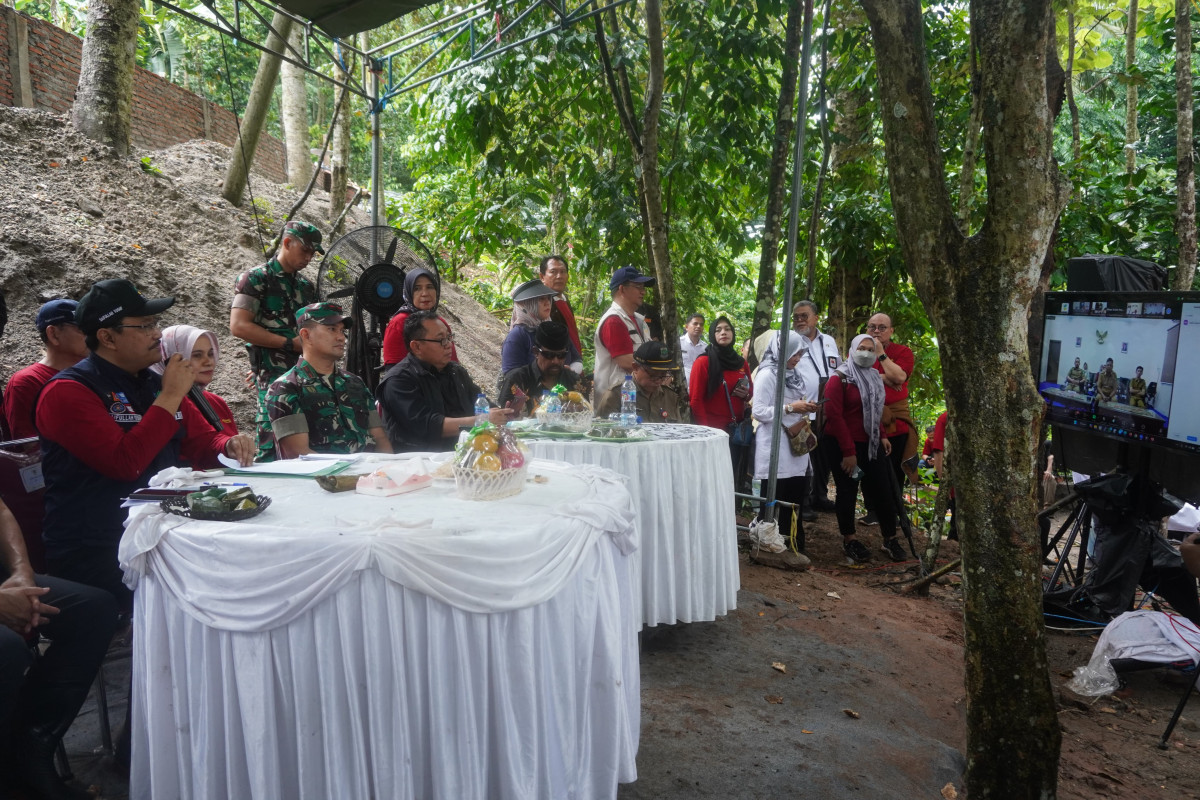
(876, 489)
(40, 697)
(790, 490)
(93, 566)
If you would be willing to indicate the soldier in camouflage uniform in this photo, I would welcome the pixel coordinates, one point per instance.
(316, 407)
(264, 313)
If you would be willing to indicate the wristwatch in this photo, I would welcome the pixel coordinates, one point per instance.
(883, 356)
(287, 344)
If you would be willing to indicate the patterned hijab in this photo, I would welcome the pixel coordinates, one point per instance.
(525, 313)
(770, 360)
(870, 389)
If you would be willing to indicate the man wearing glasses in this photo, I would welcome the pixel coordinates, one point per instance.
(108, 424)
(621, 330)
(64, 345)
(315, 407)
(656, 401)
(263, 315)
(554, 273)
(521, 388)
(896, 363)
(427, 398)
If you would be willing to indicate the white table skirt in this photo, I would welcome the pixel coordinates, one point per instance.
(682, 488)
(378, 690)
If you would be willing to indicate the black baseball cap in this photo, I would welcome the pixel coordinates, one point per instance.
(108, 302)
(627, 275)
(655, 356)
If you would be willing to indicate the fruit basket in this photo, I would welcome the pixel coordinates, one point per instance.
(489, 464)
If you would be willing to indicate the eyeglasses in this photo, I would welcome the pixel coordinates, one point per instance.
(447, 342)
(149, 326)
(553, 355)
(658, 377)
(878, 327)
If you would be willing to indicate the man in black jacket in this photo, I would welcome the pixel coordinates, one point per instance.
(427, 398)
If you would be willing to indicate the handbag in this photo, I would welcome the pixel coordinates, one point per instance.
(803, 441)
(741, 434)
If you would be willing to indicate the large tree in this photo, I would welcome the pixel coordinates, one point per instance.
(103, 108)
(294, 103)
(977, 290)
(1185, 151)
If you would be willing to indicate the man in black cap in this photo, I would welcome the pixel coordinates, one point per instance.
(107, 425)
(656, 401)
(64, 344)
(551, 348)
(621, 330)
(427, 398)
(263, 314)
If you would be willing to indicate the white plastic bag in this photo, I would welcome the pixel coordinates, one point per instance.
(765, 535)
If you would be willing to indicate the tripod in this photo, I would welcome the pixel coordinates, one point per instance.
(1077, 526)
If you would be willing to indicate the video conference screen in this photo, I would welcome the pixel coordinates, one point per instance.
(1124, 365)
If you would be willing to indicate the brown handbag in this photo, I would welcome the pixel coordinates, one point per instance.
(801, 438)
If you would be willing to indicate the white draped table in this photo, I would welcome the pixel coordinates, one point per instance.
(682, 486)
(418, 646)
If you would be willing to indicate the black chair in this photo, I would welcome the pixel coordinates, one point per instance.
(1123, 666)
(1151, 392)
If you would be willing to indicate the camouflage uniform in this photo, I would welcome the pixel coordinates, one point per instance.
(274, 296)
(336, 411)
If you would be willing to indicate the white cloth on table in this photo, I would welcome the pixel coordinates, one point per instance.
(360, 685)
(682, 488)
(232, 576)
(763, 409)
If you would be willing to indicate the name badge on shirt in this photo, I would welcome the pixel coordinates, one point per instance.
(32, 478)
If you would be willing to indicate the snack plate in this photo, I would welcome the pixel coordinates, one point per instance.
(178, 505)
(551, 434)
(619, 440)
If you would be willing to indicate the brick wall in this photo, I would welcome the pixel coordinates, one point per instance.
(163, 113)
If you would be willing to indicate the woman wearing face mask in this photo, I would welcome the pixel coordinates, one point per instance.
(791, 484)
(531, 307)
(422, 292)
(853, 413)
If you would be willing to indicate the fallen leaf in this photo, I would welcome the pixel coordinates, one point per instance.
(54, 163)
(1106, 710)
(804, 731)
(948, 792)
(773, 698)
(85, 158)
(851, 713)
(834, 595)
(779, 665)
(804, 608)
(761, 613)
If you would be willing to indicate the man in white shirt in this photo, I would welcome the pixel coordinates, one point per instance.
(820, 359)
(691, 345)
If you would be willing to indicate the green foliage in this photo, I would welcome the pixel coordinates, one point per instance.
(148, 165)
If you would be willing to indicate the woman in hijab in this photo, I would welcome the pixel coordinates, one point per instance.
(720, 383)
(531, 307)
(422, 292)
(853, 418)
(791, 484)
(201, 348)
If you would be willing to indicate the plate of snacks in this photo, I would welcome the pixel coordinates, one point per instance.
(218, 504)
(489, 464)
(618, 433)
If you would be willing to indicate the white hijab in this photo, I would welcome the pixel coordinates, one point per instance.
(870, 389)
(182, 339)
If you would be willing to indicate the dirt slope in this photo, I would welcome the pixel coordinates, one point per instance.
(73, 213)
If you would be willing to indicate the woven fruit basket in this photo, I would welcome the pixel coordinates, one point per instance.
(476, 484)
(570, 421)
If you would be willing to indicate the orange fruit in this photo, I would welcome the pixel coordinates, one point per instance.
(488, 463)
(484, 443)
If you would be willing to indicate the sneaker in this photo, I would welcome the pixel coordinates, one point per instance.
(868, 519)
(856, 551)
(894, 549)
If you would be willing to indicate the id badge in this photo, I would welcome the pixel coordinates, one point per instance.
(32, 478)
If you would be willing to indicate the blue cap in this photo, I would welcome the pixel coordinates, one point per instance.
(56, 312)
(627, 275)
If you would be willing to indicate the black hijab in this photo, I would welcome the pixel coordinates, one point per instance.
(410, 283)
(726, 356)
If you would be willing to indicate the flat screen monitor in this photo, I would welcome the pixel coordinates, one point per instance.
(1124, 365)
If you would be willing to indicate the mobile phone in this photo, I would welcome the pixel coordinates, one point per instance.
(822, 401)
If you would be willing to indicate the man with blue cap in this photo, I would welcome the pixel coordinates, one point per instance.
(64, 344)
(621, 329)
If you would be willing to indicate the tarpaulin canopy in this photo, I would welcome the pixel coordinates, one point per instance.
(343, 18)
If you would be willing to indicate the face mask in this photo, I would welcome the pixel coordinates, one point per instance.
(863, 358)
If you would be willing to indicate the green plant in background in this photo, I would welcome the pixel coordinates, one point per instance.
(265, 216)
(148, 165)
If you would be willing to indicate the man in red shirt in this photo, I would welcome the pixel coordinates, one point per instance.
(554, 274)
(621, 329)
(64, 343)
(896, 364)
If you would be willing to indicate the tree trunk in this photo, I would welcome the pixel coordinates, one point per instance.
(1185, 153)
(1070, 84)
(339, 159)
(977, 292)
(785, 124)
(1131, 92)
(651, 179)
(103, 108)
(966, 178)
(256, 111)
(849, 290)
(295, 116)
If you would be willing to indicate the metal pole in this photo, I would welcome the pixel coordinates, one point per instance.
(376, 155)
(785, 326)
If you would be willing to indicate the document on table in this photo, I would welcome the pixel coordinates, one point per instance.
(294, 468)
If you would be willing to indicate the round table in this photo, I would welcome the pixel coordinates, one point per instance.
(417, 646)
(681, 481)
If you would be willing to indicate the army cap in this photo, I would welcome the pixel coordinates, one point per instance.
(320, 314)
(309, 234)
(654, 355)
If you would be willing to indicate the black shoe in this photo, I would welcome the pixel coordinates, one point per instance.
(808, 515)
(894, 549)
(868, 519)
(36, 773)
(856, 551)
(824, 504)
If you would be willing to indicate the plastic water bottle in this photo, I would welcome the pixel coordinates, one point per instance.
(629, 414)
(553, 403)
(481, 409)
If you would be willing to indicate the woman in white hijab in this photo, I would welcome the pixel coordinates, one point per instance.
(201, 348)
(791, 484)
(853, 414)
